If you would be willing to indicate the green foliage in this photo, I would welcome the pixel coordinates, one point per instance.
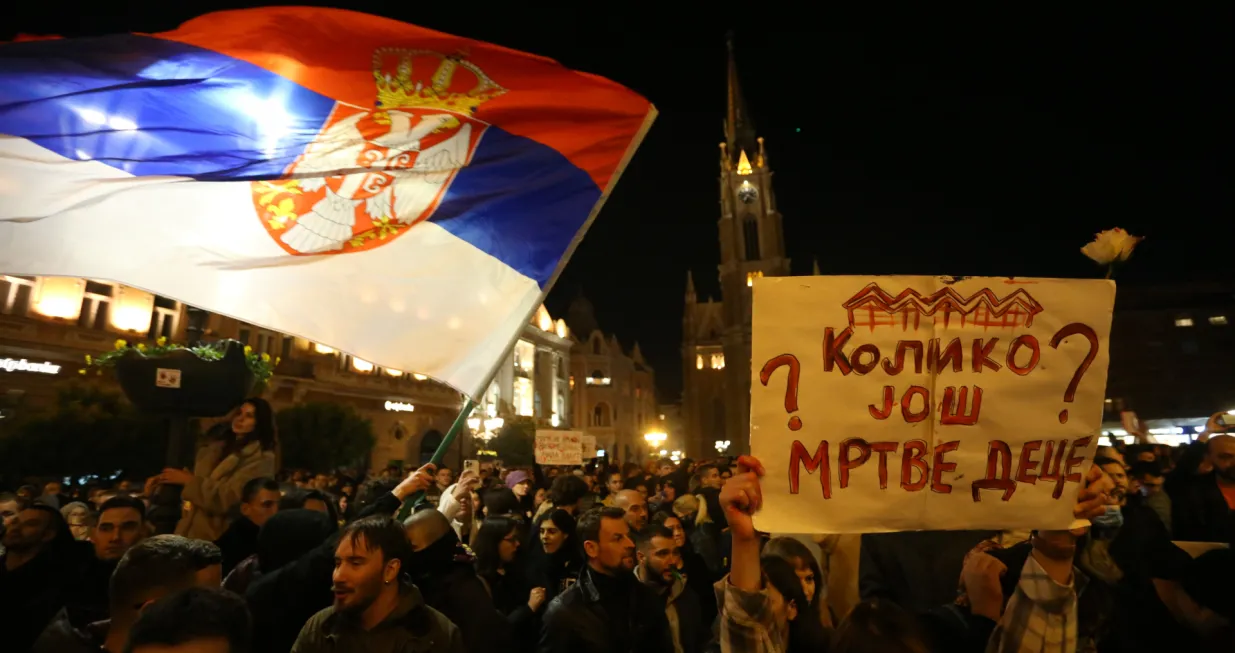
(320, 435)
(515, 444)
(260, 364)
(90, 431)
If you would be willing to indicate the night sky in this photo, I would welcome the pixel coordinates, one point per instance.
(962, 143)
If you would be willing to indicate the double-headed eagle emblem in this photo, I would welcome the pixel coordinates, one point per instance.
(372, 173)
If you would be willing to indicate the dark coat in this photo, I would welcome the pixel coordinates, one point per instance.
(412, 628)
(458, 593)
(1199, 512)
(238, 543)
(577, 622)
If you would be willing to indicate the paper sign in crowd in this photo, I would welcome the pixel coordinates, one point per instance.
(559, 447)
(922, 403)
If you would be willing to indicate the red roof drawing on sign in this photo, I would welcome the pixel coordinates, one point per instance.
(874, 307)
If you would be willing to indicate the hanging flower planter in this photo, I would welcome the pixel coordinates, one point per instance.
(201, 381)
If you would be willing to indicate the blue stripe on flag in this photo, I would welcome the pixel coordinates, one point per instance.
(519, 201)
(148, 106)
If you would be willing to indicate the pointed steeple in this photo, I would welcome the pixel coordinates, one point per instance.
(691, 297)
(739, 130)
(815, 269)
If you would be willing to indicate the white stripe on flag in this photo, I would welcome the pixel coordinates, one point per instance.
(428, 302)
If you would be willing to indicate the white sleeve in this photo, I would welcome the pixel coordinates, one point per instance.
(450, 507)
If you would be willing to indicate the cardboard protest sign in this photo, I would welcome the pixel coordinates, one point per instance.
(922, 403)
(589, 446)
(559, 447)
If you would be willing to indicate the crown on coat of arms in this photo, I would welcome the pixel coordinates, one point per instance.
(455, 84)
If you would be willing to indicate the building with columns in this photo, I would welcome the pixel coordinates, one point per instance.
(716, 332)
(49, 324)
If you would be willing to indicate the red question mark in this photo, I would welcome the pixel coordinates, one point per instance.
(1075, 329)
(791, 388)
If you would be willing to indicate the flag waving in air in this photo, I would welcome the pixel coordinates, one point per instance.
(400, 194)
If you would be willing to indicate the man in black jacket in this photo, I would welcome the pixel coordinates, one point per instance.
(259, 501)
(1203, 505)
(659, 560)
(608, 610)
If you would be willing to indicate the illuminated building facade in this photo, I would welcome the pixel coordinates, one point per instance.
(48, 325)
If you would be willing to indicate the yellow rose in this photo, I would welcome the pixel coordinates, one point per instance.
(89, 361)
(162, 341)
(82, 372)
(121, 344)
(265, 358)
(248, 350)
(277, 361)
(1110, 246)
(141, 347)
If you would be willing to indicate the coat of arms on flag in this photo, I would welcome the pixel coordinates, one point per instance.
(402, 156)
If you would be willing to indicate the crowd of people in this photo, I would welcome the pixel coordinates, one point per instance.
(656, 558)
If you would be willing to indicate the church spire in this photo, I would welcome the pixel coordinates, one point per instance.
(690, 287)
(739, 130)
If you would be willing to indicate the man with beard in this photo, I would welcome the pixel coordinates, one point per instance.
(375, 608)
(659, 559)
(635, 507)
(1130, 552)
(607, 611)
(1203, 505)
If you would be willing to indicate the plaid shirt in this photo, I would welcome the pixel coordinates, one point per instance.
(747, 623)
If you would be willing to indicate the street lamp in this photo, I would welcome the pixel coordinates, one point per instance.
(722, 446)
(655, 438)
(485, 430)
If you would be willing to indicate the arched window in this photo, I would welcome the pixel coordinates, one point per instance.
(750, 236)
(600, 415)
(429, 442)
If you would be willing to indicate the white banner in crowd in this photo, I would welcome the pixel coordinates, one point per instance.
(926, 403)
(559, 447)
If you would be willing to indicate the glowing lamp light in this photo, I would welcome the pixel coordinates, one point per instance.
(130, 319)
(132, 309)
(655, 438)
(722, 446)
(419, 377)
(60, 297)
(399, 407)
(562, 332)
(361, 366)
(473, 423)
(554, 420)
(394, 372)
(544, 320)
(322, 349)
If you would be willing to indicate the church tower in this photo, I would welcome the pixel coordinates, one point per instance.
(752, 245)
(717, 334)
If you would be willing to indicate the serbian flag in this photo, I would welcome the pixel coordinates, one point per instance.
(396, 193)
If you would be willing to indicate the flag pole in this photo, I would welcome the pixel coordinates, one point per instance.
(469, 404)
